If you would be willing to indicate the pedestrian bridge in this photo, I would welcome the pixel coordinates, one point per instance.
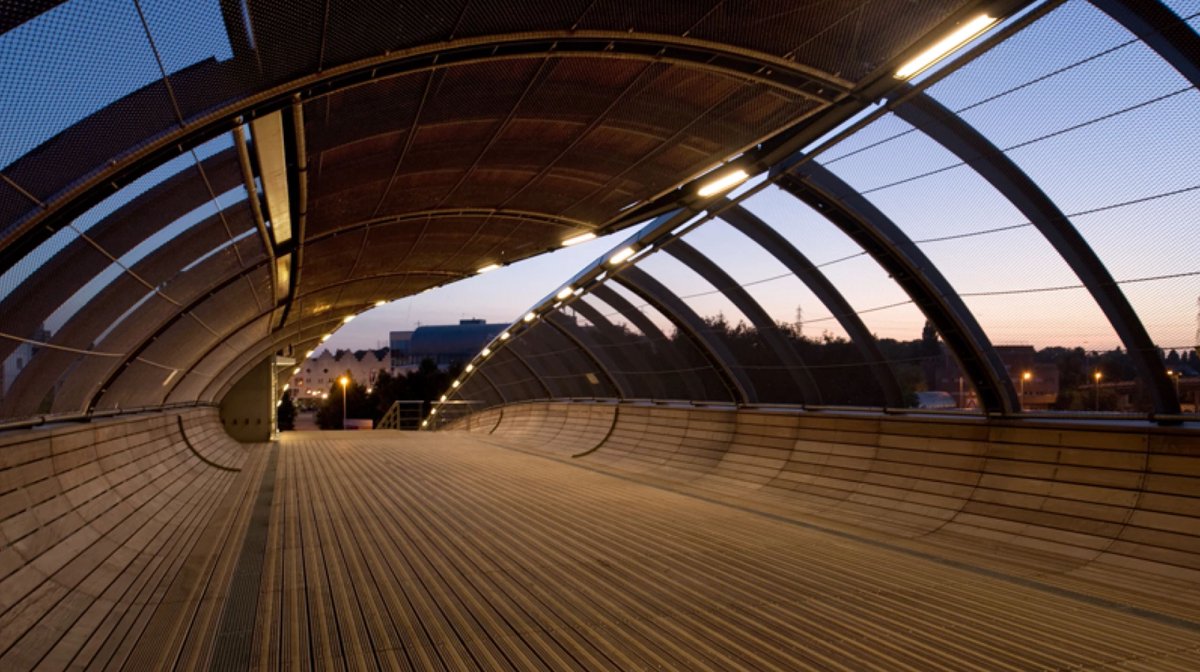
(889, 356)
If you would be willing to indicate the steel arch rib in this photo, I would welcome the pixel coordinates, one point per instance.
(812, 277)
(762, 321)
(685, 319)
(600, 360)
(1162, 30)
(648, 329)
(851, 212)
(611, 333)
(969, 145)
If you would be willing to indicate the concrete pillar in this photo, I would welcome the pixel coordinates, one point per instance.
(248, 409)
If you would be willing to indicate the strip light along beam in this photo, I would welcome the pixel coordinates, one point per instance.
(581, 238)
(530, 316)
(946, 46)
(724, 183)
(489, 267)
(564, 292)
(621, 255)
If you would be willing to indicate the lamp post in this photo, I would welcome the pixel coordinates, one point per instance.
(344, 382)
(1025, 376)
(1172, 373)
(1097, 376)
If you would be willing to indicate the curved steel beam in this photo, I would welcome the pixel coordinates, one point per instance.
(599, 359)
(851, 212)
(567, 223)
(651, 331)
(690, 324)
(1162, 30)
(969, 145)
(611, 335)
(777, 246)
(767, 329)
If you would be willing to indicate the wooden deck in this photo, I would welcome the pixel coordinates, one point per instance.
(420, 551)
(157, 543)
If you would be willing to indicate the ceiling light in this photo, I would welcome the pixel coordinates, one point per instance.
(485, 352)
(945, 46)
(621, 255)
(489, 267)
(581, 238)
(530, 316)
(564, 292)
(724, 183)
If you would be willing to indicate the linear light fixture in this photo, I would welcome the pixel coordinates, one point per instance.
(381, 302)
(946, 46)
(485, 352)
(581, 238)
(578, 291)
(489, 267)
(326, 337)
(309, 354)
(504, 335)
(346, 319)
(564, 292)
(723, 183)
(621, 255)
(530, 316)
(469, 368)
(443, 397)
(455, 384)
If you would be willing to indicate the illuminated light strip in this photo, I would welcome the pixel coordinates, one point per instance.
(622, 255)
(489, 267)
(581, 238)
(945, 46)
(723, 183)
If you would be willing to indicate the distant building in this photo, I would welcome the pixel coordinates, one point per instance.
(1035, 382)
(444, 344)
(319, 373)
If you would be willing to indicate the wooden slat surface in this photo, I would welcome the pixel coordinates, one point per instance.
(443, 551)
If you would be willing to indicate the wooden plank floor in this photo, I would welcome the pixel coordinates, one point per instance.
(438, 551)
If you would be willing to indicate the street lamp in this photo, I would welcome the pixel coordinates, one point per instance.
(1097, 376)
(344, 382)
(1172, 373)
(1026, 376)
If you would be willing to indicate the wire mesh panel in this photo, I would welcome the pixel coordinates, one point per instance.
(1113, 144)
(825, 353)
(565, 368)
(924, 369)
(657, 361)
